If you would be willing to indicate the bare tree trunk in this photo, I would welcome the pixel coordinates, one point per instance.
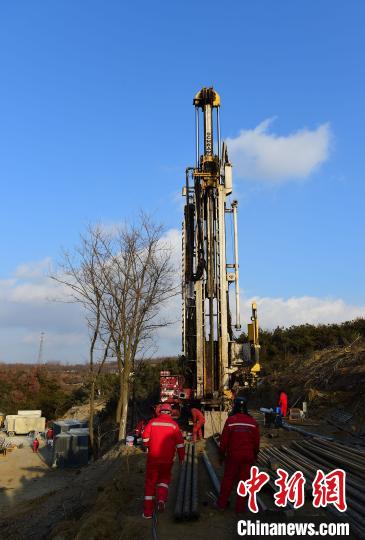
(118, 411)
(123, 398)
(94, 378)
(91, 413)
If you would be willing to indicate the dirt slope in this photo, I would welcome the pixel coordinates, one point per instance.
(328, 380)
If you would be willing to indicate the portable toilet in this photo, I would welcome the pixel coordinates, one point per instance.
(61, 449)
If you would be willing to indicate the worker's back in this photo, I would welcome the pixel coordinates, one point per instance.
(162, 436)
(283, 396)
(240, 437)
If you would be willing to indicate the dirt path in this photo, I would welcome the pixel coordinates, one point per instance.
(105, 500)
(25, 475)
(52, 496)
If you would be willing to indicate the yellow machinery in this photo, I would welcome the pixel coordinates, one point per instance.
(212, 355)
(253, 339)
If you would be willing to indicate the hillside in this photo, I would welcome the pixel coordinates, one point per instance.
(331, 380)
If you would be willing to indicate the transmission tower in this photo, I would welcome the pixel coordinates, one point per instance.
(40, 352)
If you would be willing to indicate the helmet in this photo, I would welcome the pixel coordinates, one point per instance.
(240, 404)
(166, 408)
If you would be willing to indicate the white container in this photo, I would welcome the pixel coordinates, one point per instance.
(38, 414)
(22, 425)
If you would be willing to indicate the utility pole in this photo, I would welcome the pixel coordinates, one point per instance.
(40, 352)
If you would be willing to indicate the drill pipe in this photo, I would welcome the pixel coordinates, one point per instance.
(264, 462)
(307, 433)
(346, 452)
(194, 485)
(352, 467)
(319, 463)
(211, 472)
(354, 450)
(180, 490)
(355, 510)
(187, 491)
(349, 488)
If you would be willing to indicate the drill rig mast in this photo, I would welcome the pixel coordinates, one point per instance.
(209, 349)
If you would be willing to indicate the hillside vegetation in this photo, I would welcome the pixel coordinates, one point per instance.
(52, 389)
(281, 346)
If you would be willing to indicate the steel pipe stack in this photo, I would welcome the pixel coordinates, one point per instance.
(310, 455)
(187, 499)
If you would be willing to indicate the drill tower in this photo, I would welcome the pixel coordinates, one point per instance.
(210, 352)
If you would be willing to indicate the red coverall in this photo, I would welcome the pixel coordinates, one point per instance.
(240, 444)
(283, 403)
(35, 445)
(162, 436)
(198, 423)
(139, 428)
(157, 409)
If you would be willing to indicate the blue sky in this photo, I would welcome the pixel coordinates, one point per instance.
(96, 122)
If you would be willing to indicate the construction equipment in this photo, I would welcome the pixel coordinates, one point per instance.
(210, 351)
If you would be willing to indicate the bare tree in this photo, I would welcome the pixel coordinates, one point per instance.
(122, 279)
(80, 273)
(138, 281)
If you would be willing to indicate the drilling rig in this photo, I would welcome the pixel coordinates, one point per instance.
(213, 359)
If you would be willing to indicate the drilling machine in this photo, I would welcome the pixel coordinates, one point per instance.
(213, 359)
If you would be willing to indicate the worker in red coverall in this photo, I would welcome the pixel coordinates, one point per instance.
(35, 445)
(283, 402)
(49, 437)
(162, 437)
(138, 430)
(198, 423)
(239, 446)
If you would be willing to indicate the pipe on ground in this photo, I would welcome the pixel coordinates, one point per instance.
(181, 489)
(194, 485)
(211, 472)
(187, 492)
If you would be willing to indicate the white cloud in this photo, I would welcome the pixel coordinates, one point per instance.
(257, 154)
(26, 310)
(33, 270)
(172, 240)
(275, 312)
(272, 312)
(31, 303)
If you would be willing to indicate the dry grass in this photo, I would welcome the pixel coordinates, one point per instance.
(116, 513)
